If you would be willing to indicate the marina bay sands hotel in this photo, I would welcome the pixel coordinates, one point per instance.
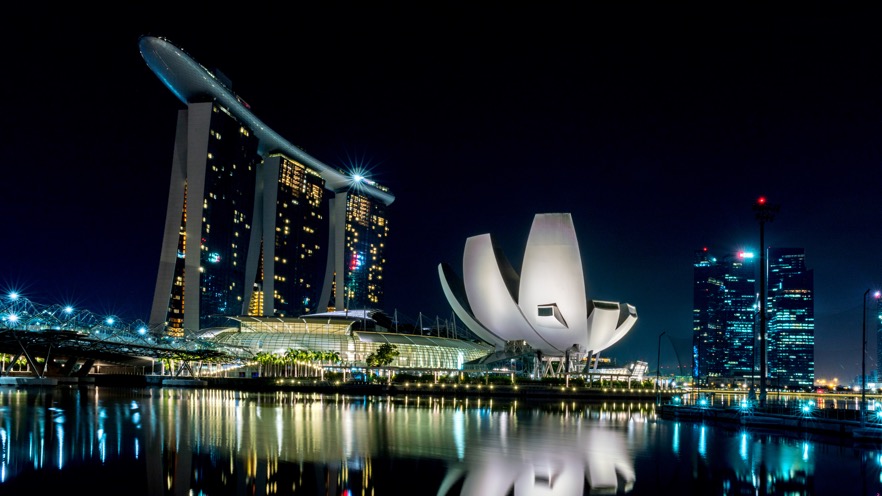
(254, 225)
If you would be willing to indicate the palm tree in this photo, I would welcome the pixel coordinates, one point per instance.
(331, 356)
(281, 363)
(263, 359)
(291, 355)
(304, 357)
(310, 357)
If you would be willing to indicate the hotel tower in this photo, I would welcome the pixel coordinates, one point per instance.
(255, 226)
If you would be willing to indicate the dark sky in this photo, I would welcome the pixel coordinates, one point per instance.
(657, 128)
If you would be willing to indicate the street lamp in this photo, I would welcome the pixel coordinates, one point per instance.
(658, 369)
(765, 212)
(864, 359)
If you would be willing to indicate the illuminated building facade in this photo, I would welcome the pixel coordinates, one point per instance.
(290, 240)
(546, 306)
(877, 318)
(278, 233)
(725, 319)
(358, 232)
(723, 316)
(352, 336)
(210, 202)
(791, 323)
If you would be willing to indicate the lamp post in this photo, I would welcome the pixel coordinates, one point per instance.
(658, 369)
(765, 212)
(864, 359)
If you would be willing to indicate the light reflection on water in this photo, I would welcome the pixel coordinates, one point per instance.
(156, 441)
(784, 401)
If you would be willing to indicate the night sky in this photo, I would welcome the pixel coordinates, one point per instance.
(657, 128)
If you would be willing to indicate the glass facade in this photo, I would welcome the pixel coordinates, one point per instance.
(345, 336)
(723, 318)
(740, 315)
(707, 331)
(875, 319)
(791, 320)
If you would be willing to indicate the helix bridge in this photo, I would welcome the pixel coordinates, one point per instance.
(58, 339)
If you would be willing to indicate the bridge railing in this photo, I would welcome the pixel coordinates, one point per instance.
(18, 313)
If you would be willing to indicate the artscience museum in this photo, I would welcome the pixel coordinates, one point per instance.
(544, 310)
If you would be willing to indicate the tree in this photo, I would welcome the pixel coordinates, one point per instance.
(263, 359)
(384, 355)
(292, 356)
(332, 357)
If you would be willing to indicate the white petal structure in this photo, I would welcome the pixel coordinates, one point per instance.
(546, 305)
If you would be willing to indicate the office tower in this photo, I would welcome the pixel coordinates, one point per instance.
(277, 232)
(740, 316)
(791, 324)
(707, 333)
(876, 317)
(724, 312)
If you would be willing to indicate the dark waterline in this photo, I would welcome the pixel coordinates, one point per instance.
(166, 441)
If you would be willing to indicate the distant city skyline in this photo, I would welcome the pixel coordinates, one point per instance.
(728, 312)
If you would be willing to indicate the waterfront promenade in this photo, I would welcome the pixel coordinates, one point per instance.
(315, 385)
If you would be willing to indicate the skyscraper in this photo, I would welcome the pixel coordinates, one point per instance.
(791, 323)
(254, 225)
(209, 216)
(725, 319)
(287, 273)
(876, 316)
(362, 254)
(724, 311)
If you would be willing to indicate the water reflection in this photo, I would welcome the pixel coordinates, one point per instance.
(548, 455)
(178, 441)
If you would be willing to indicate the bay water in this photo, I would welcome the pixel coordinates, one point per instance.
(179, 441)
